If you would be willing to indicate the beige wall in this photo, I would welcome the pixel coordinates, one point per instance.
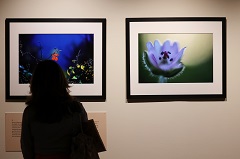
(167, 130)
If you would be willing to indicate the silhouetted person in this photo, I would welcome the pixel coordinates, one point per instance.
(48, 123)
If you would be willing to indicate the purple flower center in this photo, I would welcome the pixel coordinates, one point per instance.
(165, 55)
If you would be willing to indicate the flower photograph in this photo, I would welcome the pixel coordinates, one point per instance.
(175, 58)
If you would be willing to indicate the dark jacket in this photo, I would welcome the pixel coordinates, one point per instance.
(53, 138)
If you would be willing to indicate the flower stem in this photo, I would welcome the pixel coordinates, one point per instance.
(162, 79)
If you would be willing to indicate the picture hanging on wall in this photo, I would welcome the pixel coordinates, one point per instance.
(77, 45)
(175, 59)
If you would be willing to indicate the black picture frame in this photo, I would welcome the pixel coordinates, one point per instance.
(146, 79)
(88, 36)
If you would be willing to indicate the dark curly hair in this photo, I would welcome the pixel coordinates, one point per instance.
(49, 91)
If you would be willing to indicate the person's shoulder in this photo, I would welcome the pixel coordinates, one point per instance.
(76, 106)
(76, 103)
(28, 109)
(29, 112)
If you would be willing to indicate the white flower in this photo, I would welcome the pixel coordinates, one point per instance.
(163, 60)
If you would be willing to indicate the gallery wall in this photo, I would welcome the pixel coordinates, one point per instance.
(169, 130)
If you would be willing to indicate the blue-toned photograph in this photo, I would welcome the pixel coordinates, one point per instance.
(73, 52)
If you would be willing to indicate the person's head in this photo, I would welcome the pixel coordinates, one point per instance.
(48, 82)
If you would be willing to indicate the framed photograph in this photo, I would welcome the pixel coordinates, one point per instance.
(175, 59)
(77, 45)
